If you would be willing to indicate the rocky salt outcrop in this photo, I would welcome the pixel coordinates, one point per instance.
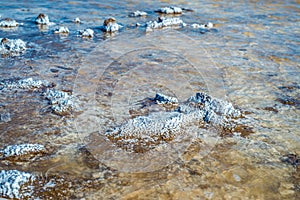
(62, 30)
(43, 19)
(12, 46)
(144, 132)
(8, 23)
(28, 83)
(20, 151)
(61, 102)
(164, 22)
(12, 182)
(110, 25)
(86, 33)
(138, 14)
(170, 10)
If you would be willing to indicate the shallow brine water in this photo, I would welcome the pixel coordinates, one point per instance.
(250, 58)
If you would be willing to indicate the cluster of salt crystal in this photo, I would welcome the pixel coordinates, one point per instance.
(170, 10)
(61, 102)
(8, 23)
(110, 25)
(62, 30)
(43, 19)
(164, 22)
(11, 182)
(27, 83)
(86, 33)
(137, 14)
(12, 46)
(209, 25)
(21, 149)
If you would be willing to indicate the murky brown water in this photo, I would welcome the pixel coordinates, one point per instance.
(250, 58)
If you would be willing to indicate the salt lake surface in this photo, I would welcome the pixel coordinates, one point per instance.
(250, 58)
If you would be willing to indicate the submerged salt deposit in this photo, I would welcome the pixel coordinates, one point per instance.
(12, 46)
(138, 14)
(8, 23)
(164, 22)
(19, 150)
(61, 102)
(28, 83)
(11, 182)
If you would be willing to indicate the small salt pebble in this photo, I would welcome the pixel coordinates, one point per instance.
(110, 25)
(86, 33)
(43, 19)
(62, 30)
(209, 25)
(137, 14)
(13, 46)
(7, 23)
(76, 20)
(164, 22)
(170, 10)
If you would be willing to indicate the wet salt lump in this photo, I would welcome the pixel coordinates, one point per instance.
(61, 102)
(170, 10)
(11, 182)
(43, 19)
(110, 25)
(86, 33)
(209, 25)
(27, 83)
(164, 99)
(137, 14)
(164, 22)
(8, 22)
(13, 46)
(76, 20)
(21, 149)
(62, 30)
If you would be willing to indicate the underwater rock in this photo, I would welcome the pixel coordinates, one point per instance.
(27, 83)
(8, 23)
(86, 33)
(170, 10)
(19, 150)
(137, 14)
(62, 30)
(143, 132)
(76, 20)
(5, 117)
(61, 102)
(110, 25)
(12, 181)
(43, 19)
(12, 46)
(164, 22)
(207, 26)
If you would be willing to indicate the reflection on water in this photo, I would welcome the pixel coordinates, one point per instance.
(250, 58)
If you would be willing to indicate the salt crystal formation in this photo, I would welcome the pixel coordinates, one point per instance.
(137, 14)
(8, 23)
(28, 83)
(61, 102)
(43, 19)
(21, 150)
(158, 127)
(170, 10)
(11, 182)
(62, 30)
(110, 25)
(86, 33)
(12, 46)
(164, 22)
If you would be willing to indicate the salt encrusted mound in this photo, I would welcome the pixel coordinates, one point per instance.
(164, 22)
(8, 23)
(164, 99)
(110, 25)
(43, 19)
(61, 102)
(20, 150)
(86, 33)
(11, 182)
(170, 10)
(137, 14)
(62, 30)
(27, 83)
(143, 132)
(12, 46)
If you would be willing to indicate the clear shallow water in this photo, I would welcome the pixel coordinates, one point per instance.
(251, 59)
